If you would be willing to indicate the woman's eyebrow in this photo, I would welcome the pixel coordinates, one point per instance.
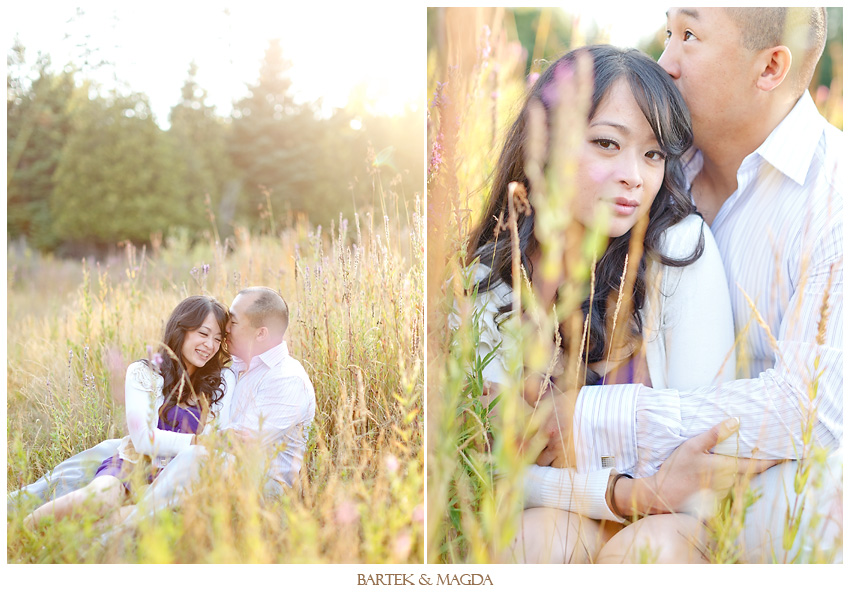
(622, 127)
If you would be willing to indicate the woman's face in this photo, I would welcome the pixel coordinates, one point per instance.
(621, 166)
(201, 344)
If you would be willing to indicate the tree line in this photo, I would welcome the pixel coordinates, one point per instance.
(87, 168)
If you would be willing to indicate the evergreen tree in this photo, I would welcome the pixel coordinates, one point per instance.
(200, 139)
(119, 177)
(37, 125)
(274, 143)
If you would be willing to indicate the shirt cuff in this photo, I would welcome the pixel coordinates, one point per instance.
(563, 488)
(658, 428)
(604, 428)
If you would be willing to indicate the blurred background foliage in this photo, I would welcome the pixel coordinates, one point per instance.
(544, 34)
(88, 167)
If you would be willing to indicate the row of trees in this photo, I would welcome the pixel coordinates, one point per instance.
(88, 168)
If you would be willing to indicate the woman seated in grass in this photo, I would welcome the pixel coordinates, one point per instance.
(170, 399)
(678, 321)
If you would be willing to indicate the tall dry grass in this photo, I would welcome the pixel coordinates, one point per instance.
(356, 323)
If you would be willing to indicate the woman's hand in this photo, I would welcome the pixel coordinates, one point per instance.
(559, 451)
(691, 468)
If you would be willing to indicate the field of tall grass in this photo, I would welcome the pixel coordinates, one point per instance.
(355, 292)
(475, 470)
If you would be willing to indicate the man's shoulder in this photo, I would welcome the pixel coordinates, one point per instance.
(288, 369)
(830, 160)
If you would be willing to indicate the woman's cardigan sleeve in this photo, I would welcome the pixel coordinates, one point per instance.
(142, 399)
(544, 486)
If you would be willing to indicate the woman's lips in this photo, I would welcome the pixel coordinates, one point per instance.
(624, 206)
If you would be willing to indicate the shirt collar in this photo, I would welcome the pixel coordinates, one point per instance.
(270, 358)
(791, 146)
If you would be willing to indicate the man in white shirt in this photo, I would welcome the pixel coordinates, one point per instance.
(766, 177)
(272, 406)
(274, 402)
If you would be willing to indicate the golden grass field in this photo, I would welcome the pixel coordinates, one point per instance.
(355, 291)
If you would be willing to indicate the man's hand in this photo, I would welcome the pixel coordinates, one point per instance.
(691, 468)
(240, 437)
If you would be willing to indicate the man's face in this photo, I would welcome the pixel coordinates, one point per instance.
(240, 332)
(714, 72)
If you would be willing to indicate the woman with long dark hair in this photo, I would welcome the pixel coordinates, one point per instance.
(679, 330)
(170, 399)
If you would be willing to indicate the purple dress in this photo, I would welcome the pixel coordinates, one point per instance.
(630, 375)
(181, 420)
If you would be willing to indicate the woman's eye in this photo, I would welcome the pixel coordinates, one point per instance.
(656, 155)
(689, 35)
(607, 143)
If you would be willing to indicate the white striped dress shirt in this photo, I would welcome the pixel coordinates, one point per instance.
(780, 237)
(274, 397)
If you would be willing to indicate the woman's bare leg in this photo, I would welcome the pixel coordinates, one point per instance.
(104, 492)
(121, 514)
(668, 538)
(556, 536)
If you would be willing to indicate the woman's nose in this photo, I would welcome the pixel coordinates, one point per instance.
(629, 171)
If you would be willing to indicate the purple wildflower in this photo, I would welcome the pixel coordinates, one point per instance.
(563, 76)
(485, 49)
(436, 156)
(440, 96)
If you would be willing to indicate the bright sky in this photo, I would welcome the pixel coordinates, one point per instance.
(334, 47)
(627, 23)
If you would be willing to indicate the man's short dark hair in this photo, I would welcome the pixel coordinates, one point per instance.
(269, 309)
(802, 30)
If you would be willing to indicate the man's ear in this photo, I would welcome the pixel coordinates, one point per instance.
(262, 333)
(777, 65)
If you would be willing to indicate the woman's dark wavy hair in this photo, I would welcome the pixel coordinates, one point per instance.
(667, 114)
(205, 382)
